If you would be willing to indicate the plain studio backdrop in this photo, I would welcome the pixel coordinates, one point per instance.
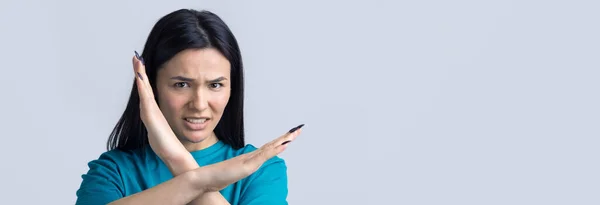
(405, 102)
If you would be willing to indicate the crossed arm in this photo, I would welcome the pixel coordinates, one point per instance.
(191, 184)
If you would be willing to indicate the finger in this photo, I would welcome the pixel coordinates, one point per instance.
(139, 81)
(285, 138)
(142, 67)
(276, 146)
(293, 133)
(144, 87)
(148, 106)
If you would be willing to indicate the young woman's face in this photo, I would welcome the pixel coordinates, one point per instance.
(193, 89)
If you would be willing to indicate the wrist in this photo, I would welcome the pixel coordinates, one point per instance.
(179, 164)
(200, 180)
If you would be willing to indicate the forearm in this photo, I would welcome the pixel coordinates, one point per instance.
(181, 189)
(185, 164)
(213, 197)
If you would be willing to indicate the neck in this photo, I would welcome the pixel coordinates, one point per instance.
(205, 143)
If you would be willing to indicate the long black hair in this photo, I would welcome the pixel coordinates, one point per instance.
(177, 31)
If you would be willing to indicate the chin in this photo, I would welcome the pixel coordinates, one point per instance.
(196, 136)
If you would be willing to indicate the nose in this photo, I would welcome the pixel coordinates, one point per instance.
(199, 100)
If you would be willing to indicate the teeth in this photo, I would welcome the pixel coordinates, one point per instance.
(195, 120)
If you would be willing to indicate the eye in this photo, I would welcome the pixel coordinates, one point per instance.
(216, 85)
(181, 84)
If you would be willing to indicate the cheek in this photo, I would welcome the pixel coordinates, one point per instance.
(219, 101)
(170, 105)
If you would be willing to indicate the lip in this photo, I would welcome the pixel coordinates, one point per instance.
(196, 126)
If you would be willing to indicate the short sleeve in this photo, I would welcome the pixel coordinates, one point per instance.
(102, 184)
(267, 186)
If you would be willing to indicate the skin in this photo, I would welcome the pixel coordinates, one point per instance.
(194, 83)
(172, 142)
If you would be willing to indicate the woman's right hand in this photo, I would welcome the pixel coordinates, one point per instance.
(218, 176)
(161, 138)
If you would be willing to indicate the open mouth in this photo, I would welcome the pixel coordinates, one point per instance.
(196, 123)
(196, 120)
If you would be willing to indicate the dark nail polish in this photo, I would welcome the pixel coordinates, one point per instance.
(140, 76)
(137, 55)
(286, 142)
(296, 128)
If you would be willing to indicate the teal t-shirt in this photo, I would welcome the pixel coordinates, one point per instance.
(117, 174)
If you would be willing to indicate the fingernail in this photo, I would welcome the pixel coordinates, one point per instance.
(140, 75)
(286, 142)
(137, 55)
(296, 128)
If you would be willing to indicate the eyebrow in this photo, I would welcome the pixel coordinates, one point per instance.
(181, 78)
(219, 79)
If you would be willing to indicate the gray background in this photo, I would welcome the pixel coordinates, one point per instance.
(405, 102)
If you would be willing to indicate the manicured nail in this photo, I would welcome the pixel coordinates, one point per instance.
(296, 128)
(137, 55)
(286, 142)
(140, 76)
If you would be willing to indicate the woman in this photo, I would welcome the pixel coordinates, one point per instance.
(185, 145)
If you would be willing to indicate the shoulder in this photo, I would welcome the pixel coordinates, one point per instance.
(103, 182)
(121, 158)
(113, 161)
(112, 164)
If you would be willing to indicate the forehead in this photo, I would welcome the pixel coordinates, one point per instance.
(197, 61)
